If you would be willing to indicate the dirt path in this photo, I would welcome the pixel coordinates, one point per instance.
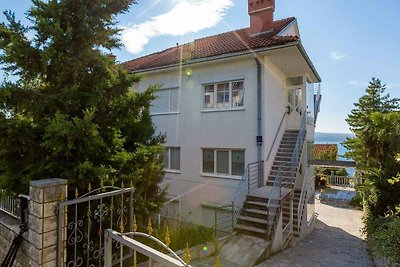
(336, 241)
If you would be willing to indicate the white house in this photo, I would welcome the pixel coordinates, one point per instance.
(223, 104)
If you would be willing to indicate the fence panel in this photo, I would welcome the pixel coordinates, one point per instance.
(80, 235)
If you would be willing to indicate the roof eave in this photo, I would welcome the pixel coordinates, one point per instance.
(309, 62)
(221, 57)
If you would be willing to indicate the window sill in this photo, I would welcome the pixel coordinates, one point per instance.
(165, 113)
(223, 110)
(172, 171)
(223, 176)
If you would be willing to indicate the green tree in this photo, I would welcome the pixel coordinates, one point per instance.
(375, 120)
(70, 113)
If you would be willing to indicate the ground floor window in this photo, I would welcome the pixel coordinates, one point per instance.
(172, 158)
(223, 161)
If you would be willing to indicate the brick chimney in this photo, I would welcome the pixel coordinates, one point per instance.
(261, 15)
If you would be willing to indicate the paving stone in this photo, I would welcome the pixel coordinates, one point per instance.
(337, 241)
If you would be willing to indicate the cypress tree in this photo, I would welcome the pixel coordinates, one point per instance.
(70, 113)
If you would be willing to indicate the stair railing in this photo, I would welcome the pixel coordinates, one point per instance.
(248, 183)
(294, 162)
(301, 199)
(317, 102)
(273, 203)
(276, 135)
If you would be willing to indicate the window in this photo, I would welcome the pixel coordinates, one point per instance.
(294, 99)
(166, 101)
(172, 158)
(223, 161)
(222, 96)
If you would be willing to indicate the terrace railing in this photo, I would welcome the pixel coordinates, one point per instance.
(10, 204)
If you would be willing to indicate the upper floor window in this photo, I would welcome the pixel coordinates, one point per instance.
(224, 95)
(172, 158)
(166, 101)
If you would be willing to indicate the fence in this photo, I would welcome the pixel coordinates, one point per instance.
(10, 204)
(344, 181)
(80, 234)
(137, 247)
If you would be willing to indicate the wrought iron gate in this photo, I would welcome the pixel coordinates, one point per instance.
(83, 220)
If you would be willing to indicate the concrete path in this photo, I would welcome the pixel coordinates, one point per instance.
(336, 241)
(241, 250)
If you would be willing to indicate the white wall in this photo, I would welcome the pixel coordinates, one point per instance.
(193, 129)
(274, 107)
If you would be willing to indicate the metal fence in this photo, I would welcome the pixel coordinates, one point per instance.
(82, 221)
(10, 204)
(14, 206)
(154, 256)
(344, 181)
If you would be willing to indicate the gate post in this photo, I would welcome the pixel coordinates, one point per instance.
(44, 196)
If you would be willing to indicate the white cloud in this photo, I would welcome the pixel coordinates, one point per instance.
(186, 17)
(338, 55)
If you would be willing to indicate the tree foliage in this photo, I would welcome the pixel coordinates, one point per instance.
(375, 120)
(70, 113)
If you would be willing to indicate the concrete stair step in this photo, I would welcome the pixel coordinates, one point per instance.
(253, 221)
(257, 198)
(255, 213)
(255, 205)
(251, 230)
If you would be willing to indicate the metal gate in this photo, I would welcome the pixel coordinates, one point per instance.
(83, 220)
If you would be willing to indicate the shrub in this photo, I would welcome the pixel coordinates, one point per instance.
(383, 236)
(357, 201)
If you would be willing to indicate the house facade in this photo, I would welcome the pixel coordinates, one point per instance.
(226, 101)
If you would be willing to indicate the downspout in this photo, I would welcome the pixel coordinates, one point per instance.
(259, 123)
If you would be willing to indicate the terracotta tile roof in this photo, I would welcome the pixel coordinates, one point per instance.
(216, 45)
(320, 148)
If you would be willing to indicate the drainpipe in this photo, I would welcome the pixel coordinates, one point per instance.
(259, 124)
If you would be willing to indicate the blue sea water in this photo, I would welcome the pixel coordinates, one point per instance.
(335, 138)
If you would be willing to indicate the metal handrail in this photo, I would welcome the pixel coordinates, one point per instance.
(297, 150)
(301, 199)
(271, 204)
(317, 102)
(276, 135)
(246, 186)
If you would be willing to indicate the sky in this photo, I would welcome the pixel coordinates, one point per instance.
(349, 42)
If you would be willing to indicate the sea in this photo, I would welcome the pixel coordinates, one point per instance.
(335, 138)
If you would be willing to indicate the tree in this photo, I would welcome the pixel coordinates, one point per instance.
(70, 113)
(375, 120)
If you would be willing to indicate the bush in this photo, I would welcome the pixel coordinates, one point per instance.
(356, 201)
(383, 235)
(320, 181)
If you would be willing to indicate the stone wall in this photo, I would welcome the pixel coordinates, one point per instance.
(39, 245)
(9, 229)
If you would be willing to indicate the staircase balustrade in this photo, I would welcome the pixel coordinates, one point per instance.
(249, 182)
(273, 203)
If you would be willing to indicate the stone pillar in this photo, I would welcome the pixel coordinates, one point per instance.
(44, 195)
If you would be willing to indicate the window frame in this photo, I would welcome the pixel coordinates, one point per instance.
(169, 89)
(215, 173)
(168, 152)
(229, 103)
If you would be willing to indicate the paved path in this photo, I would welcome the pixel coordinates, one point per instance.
(336, 241)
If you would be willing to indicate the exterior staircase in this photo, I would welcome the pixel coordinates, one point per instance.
(283, 157)
(296, 220)
(253, 219)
